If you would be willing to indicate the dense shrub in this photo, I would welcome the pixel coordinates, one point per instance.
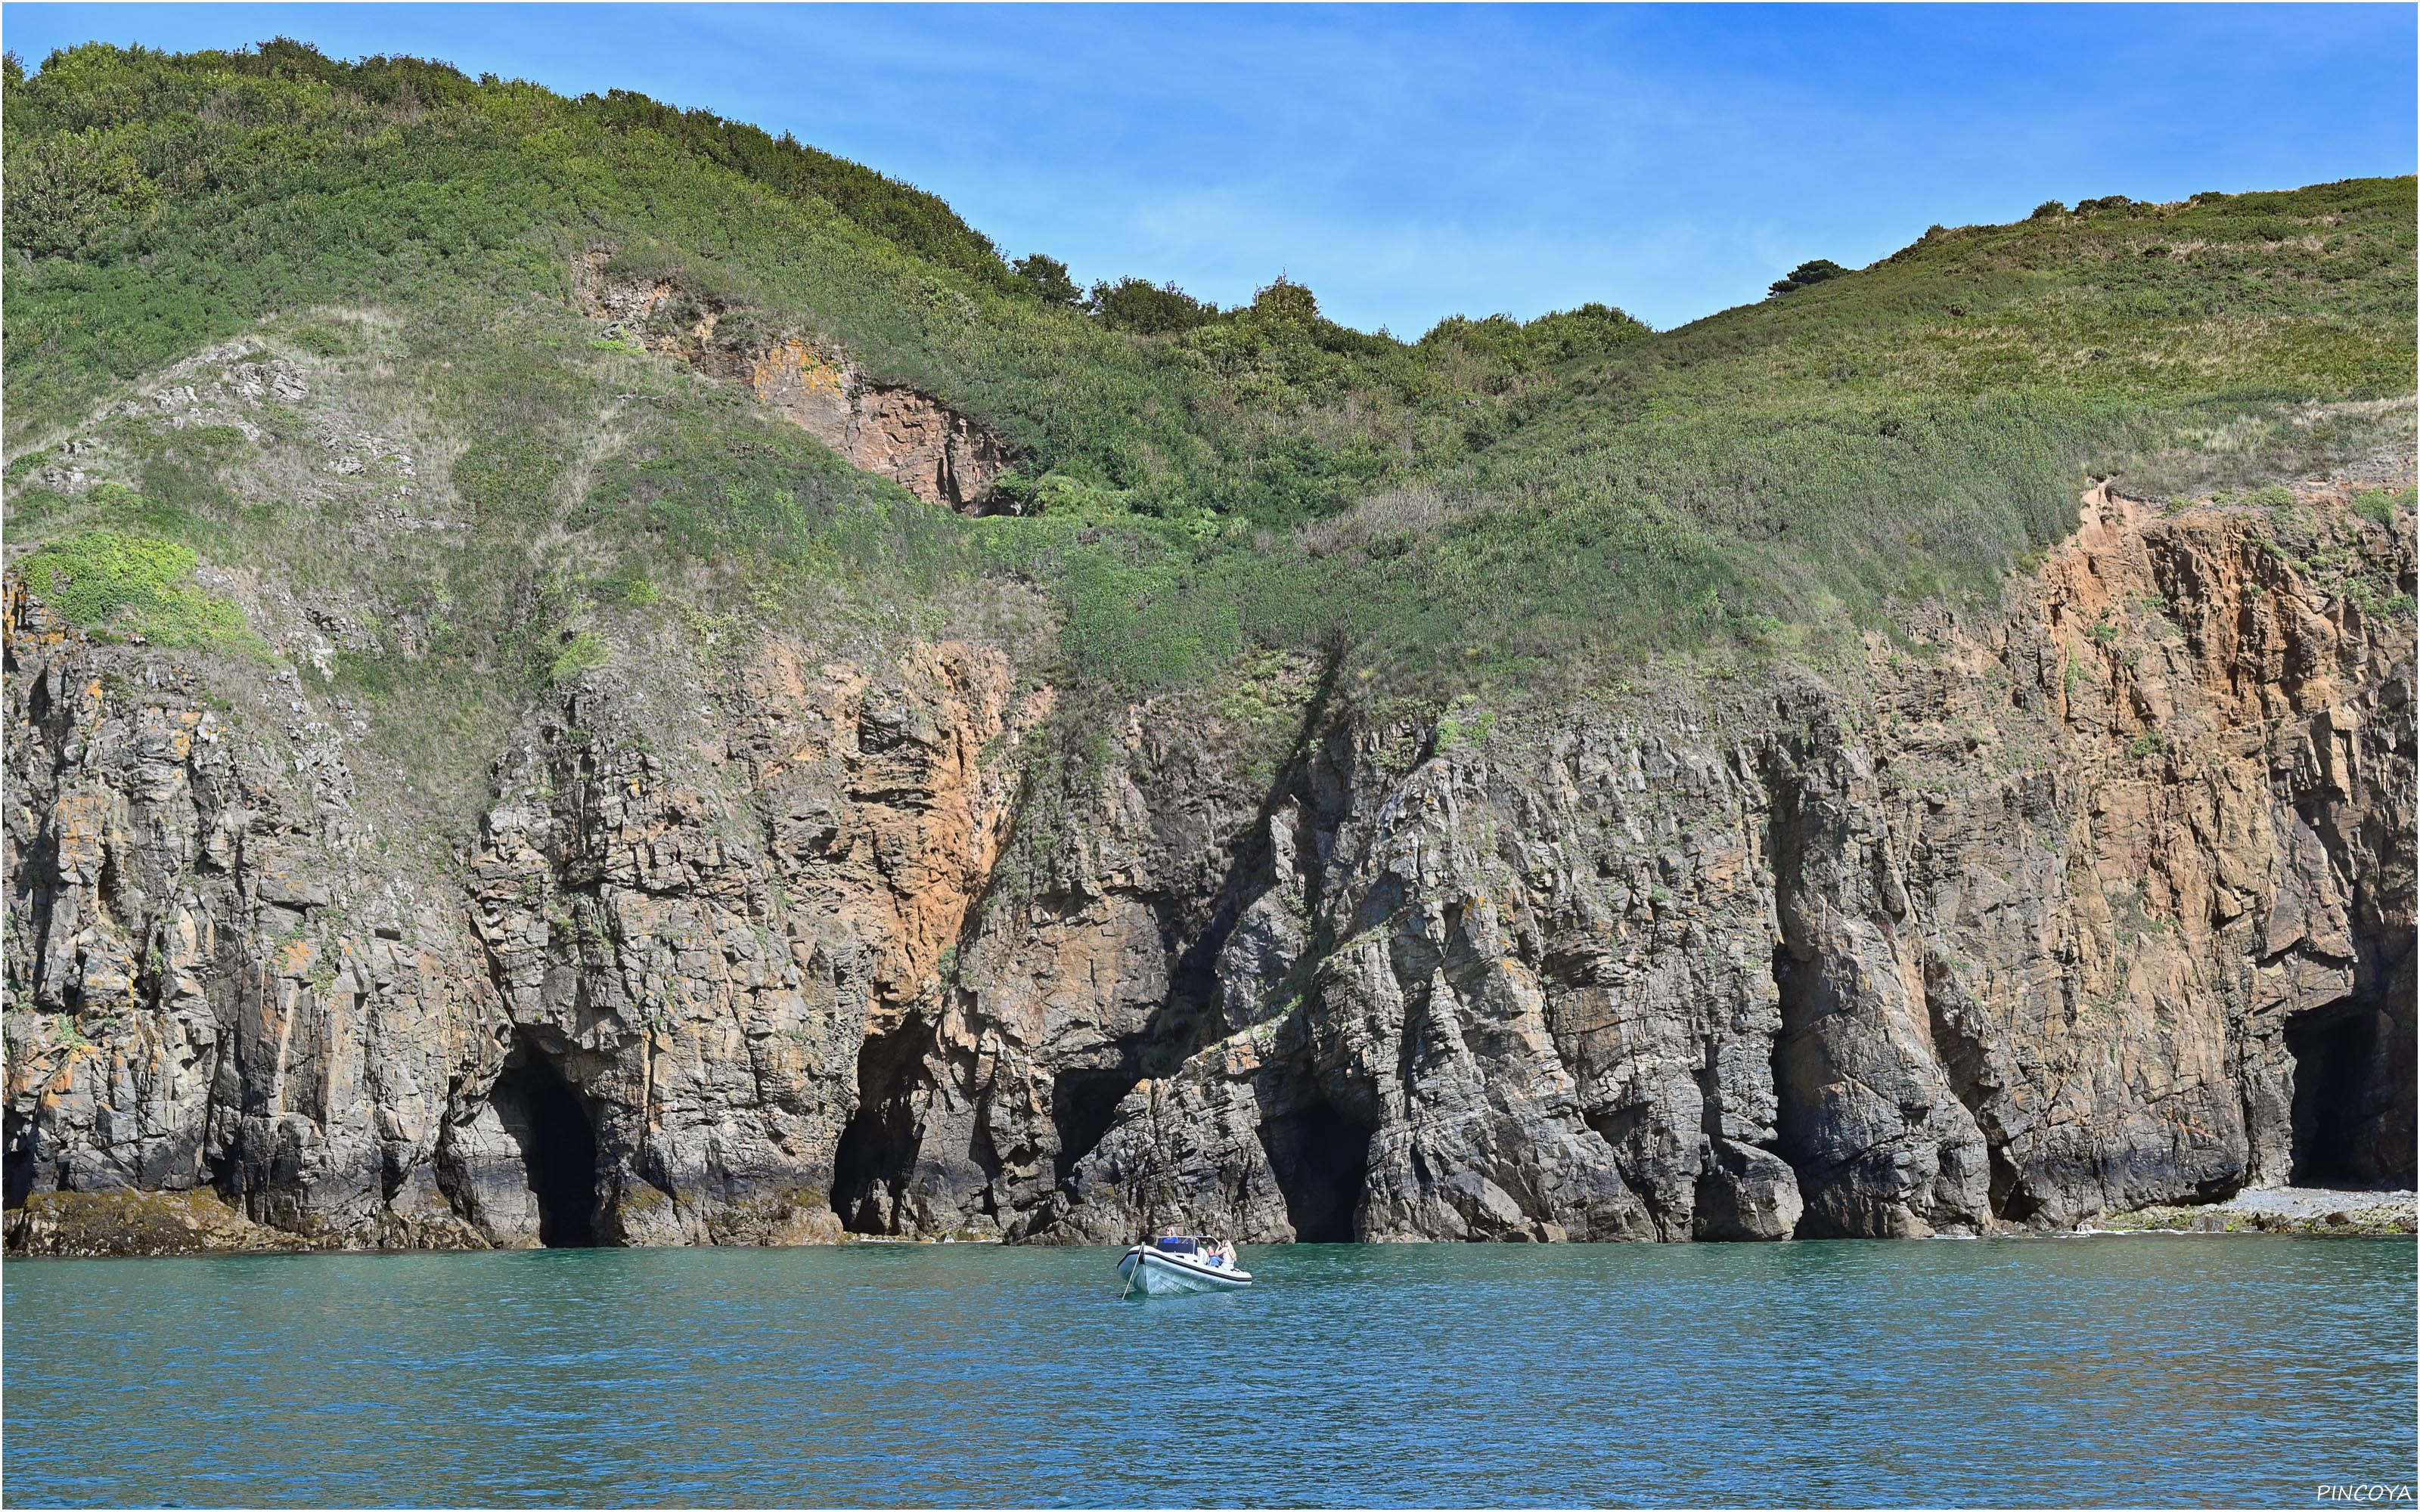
(1045, 279)
(78, 193)
(1806, 273)
(1136, 306)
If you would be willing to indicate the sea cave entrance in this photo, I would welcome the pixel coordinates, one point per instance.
(1322, 1160)
(878, 1148)
(558, 1144)
(2348, 1082)
(1083, 1105)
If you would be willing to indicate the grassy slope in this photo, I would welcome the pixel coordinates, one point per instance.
(1495, 505)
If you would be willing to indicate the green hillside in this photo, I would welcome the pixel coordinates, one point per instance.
(1501, 503)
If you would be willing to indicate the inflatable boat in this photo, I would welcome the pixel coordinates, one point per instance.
(1164, 1266)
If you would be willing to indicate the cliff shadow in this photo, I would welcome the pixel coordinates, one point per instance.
(1320, 1159)
(557, 1140)
(1192, 1018)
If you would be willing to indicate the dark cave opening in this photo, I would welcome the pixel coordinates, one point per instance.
(1322, 1160)
(558, 1144)
(18, 1171)
(878, 1150)
(2012, 1200)
(2341, 1071)
(1083, 1105)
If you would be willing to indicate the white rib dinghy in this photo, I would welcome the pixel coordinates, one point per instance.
(1166, 1267)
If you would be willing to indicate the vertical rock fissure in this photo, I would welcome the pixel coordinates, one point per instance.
(1796, 981)
(1958, 1042)
(1188, 1022)
(1791, 981)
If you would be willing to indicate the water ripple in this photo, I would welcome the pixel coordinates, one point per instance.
(2179, 1371)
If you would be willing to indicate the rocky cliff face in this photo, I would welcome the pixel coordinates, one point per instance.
(2100, 901)
(634, 1019)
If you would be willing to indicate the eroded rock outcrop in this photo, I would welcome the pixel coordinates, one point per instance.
(2098, 901)
(892, 430)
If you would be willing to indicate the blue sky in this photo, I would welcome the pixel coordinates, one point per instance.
(1414, 162)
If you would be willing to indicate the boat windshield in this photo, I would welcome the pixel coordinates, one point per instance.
(1174, 1245)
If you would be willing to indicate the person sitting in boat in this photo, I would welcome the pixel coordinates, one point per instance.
(1212, 1251)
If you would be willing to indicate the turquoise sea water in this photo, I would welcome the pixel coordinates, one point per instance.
(2178, 1370)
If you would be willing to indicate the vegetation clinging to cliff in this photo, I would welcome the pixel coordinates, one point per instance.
(1497, 500)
